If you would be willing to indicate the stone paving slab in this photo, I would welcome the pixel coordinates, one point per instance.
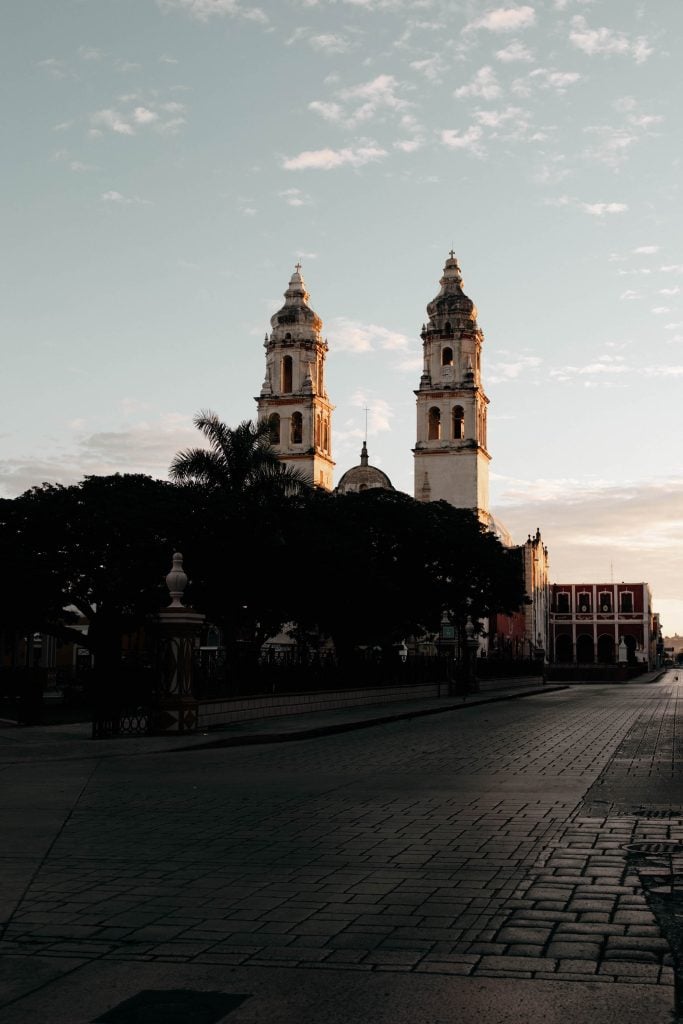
(452, 846)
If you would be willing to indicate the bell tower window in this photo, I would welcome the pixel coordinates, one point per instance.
(458, 423)
(434, 424)
(296, 430)
(274, 423)
(447, 357)
(286, 375)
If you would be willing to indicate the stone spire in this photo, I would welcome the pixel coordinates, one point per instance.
(296, 318)
(451, 309)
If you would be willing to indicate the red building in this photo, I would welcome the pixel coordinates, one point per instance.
(602, 623)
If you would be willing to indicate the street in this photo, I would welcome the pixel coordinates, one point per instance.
(463, 866)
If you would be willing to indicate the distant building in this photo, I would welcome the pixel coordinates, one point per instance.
(603, 623)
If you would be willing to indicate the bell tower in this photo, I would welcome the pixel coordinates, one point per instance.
(294, 396)
(451, 458)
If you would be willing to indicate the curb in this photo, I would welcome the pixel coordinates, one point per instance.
(338, 727)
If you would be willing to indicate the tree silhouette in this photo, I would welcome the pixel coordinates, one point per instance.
(240, 462)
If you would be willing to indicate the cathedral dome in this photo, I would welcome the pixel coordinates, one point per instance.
(451, 306)
(364, 477)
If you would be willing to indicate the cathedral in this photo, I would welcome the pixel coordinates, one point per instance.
(451, 458)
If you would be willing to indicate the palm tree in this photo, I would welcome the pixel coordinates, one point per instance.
(240, 462)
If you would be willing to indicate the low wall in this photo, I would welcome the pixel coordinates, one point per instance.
(244, 709)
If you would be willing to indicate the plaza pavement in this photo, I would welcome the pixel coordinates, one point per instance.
(452, 861)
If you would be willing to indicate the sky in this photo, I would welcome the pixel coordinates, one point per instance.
(167, 162)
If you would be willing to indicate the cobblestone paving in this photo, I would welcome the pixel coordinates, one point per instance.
(456, 844)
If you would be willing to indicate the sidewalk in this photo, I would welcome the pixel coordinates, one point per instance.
(74, 740)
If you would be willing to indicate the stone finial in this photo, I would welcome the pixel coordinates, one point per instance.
(469, 628)
(176, 581)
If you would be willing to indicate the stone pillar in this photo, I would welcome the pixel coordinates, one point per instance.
(177, 628)
(471, 648)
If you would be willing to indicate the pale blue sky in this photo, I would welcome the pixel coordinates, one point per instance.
(166, 162)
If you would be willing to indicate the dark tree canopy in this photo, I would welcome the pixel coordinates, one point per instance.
(102, 546)
(380, 565)
(261, 548)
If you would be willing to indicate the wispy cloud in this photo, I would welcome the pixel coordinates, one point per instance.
(329, 159)
(323, 42)
(545, 79)
(146, 446)
(598, 210)
(113, 120)
(517, 369)
(112, 196)
(603, 209)
(90, 53)
(163, 117)
(432, 68)
(352, 336)
(295, 197)
(484, 84)
(469, 140)
(54, 67)
(205, 9)
(359, 104)
(608, 365)
(379, 411)
(514, 52)
(594, 528)
(505, 19)
(606, 41)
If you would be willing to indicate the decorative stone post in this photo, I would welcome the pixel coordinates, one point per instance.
(178, 627)
(539, 658)
(622, 656)
(471, 648)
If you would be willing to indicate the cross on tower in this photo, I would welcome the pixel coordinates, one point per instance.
(452, 254)
(297, 267)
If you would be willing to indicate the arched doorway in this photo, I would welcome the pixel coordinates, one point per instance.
(585, 652)
(606, 649)
(631, 645)
(563, 648)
